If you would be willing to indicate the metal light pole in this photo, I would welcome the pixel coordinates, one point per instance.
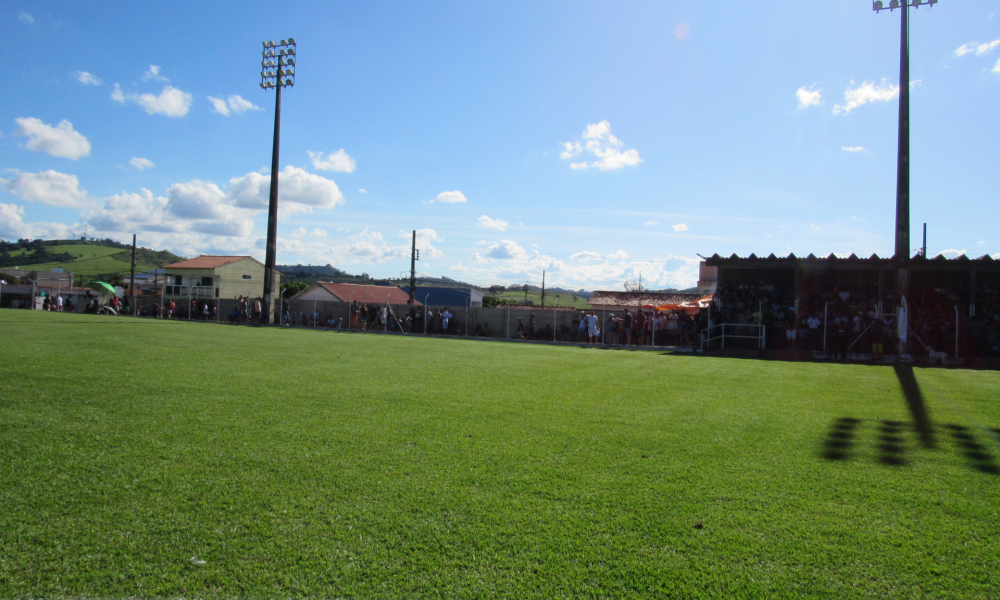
(902, 250)
(280, 55)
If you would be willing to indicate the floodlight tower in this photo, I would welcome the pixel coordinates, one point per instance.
(902, 254)
(280, 56)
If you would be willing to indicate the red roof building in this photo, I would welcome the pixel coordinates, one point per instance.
(324, 291)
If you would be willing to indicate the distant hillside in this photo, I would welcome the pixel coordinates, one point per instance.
(107, 260)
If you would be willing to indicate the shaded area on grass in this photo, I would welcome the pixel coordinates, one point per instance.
(890, 443)
(915, 402)
(977, 454)
(840, 440)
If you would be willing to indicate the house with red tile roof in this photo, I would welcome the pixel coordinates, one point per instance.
(215, 277)
(324, 291)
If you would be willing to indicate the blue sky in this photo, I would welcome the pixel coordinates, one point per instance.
(596, 141)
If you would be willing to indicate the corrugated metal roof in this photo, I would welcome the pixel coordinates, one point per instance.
(630, 299)
(206, 261)
(851, 258)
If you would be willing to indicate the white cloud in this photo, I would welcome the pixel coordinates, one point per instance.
(239, 105)
(977, 48)
(570, 149)
(141, 212)
(338, 161)
(650, 223)
(808, 97)
(362, 191)
(300, 191)
(11, 222)
(171, 102)
(207, 209)
(679, 227)
(853, 149)
(601, 144)
(865, 93)
(586, 256)
(449, 198)
(61, 141)
(485, 222)
(141, 163)
(234, 105)
(299, 233)
(365, 247)
(12, 226)
(219, 105)
(953, 253)
(996, 67)
(424, 239)
(47, 187)
(506, 249)
(153, 74)
(26, 18)
(506, 261)
(87, 78)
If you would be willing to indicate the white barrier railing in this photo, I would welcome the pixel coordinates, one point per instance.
(731, 331)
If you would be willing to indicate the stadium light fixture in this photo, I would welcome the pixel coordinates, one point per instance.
(283, 77)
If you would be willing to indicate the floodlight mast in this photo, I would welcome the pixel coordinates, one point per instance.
(902, 246)
(283, 59)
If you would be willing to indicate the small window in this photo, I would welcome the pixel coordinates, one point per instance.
(177, 280)
(206, 281)
(248, 277)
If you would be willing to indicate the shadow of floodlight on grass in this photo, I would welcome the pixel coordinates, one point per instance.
(915, 402)
(977, 454)
(890, 443)
(840, 440)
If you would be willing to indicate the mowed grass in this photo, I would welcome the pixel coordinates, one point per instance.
(305, 463)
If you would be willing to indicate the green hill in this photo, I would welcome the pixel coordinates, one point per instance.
(104, 259)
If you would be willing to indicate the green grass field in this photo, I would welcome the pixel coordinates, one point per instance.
(304, 463)
(566, 299)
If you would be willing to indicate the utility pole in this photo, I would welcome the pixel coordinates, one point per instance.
(543, 289)
(526, 294)
(283, 77)
(923, 248)
(414, 257)
(131, 285)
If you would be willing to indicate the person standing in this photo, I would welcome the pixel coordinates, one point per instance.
(444, 319)
(59, 303)
(256, 310)
(593, 334)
